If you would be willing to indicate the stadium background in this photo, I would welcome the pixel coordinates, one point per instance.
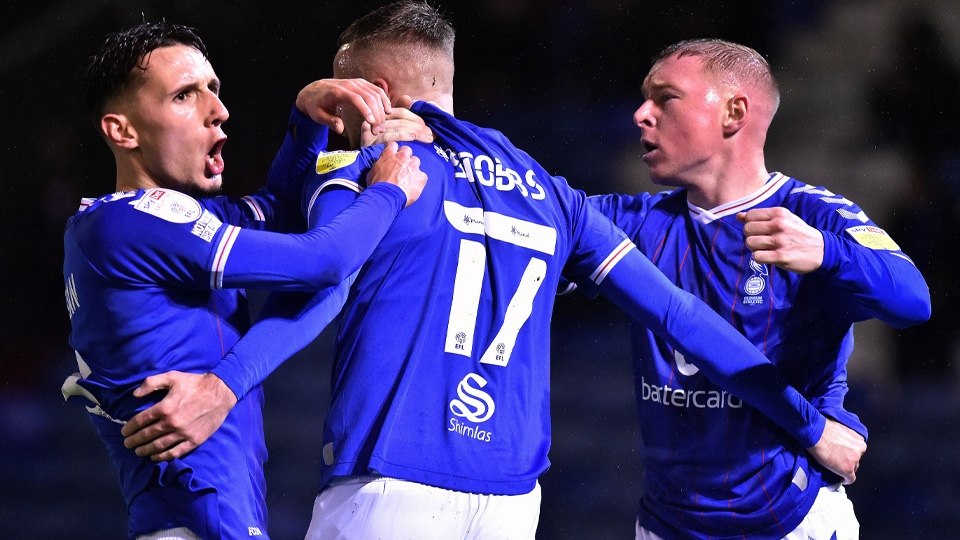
(870, 109)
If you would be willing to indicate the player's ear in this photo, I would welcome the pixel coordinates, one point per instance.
(119, 131)
(383, 84)
(735, 113)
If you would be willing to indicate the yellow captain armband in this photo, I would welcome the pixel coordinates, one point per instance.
(331, 161)
(873, 237)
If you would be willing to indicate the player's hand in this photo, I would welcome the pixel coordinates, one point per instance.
(397, 165)
(401, 125)
(777, 236)
(839, 450)
(326, 100)
(193, 409)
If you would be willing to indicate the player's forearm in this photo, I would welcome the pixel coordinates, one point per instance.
(288, 323)
(296, 156)
(886, 284)
(725, 356)
(319, 258)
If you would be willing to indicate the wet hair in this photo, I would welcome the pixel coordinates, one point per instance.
(733, 63)
(124, 56)
(405, 22)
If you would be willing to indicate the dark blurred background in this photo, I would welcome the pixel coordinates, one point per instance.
(871, 91)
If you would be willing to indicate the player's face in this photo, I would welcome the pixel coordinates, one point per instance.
(680, 121)
(177, 114)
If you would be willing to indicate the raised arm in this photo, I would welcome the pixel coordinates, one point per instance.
(884, 282)
(196, 404)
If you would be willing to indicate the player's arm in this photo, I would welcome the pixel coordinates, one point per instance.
(885, 283)
(724, 355)
(275, 207)
(324, 256)
(196, 404)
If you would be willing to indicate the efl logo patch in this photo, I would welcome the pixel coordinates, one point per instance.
(873, 237)
(167, 205)
(332, 161)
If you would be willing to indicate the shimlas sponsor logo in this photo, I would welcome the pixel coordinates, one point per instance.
(491, 172)
(698, 399)
(474, 432)
(474, 405)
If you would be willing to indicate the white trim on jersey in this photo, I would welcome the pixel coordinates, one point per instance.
(257, 211)
(85, 203)
(353, 186)
(220, 257)
(619, 253)
(704, 215)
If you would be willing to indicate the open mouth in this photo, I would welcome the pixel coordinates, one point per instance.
(648, 147)
(215, 158)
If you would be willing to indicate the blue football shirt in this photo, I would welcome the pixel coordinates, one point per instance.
(715, 466)
(442, 360)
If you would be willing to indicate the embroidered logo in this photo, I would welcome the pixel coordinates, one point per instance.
(755, 284)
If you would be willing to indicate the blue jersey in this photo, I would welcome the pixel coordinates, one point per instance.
(442, 360)
(153, 283)
(715, 466)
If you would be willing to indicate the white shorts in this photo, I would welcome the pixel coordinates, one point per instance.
(831, 517)
(180, 533)
(831, 514)
(369, 508)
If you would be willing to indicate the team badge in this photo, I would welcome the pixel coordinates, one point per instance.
(873, 237)
(755, 283)
(168, 205)
(331, 161)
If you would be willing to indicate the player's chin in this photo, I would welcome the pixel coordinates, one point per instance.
(209, 186)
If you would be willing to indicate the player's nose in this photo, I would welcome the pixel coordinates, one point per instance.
(642, 116)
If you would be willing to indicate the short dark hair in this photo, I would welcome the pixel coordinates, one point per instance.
(400, 23)
(123, 58)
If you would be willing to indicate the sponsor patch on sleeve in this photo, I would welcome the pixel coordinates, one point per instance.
(206, 226)
(331, 161)
(168, 205)
(873, 237)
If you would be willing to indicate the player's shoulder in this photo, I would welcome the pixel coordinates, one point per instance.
(802, 193)
(150, 204)
(113, 223)
(822, 207)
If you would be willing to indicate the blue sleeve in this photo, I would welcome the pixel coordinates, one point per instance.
(298, 317)
(885, 283)
(319, 258)
(305, 139)
(626, 211)
(725, 356)
(288, 322)
(276, 206)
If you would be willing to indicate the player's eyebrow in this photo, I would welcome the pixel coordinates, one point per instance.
(657, 86)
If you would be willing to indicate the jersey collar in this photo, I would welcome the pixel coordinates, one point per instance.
(703, 215)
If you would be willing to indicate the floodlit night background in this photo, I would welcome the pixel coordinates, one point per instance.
(871, 109)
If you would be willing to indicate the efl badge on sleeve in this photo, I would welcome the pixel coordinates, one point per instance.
(168, 205)
(873, 237)
(331, 161)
